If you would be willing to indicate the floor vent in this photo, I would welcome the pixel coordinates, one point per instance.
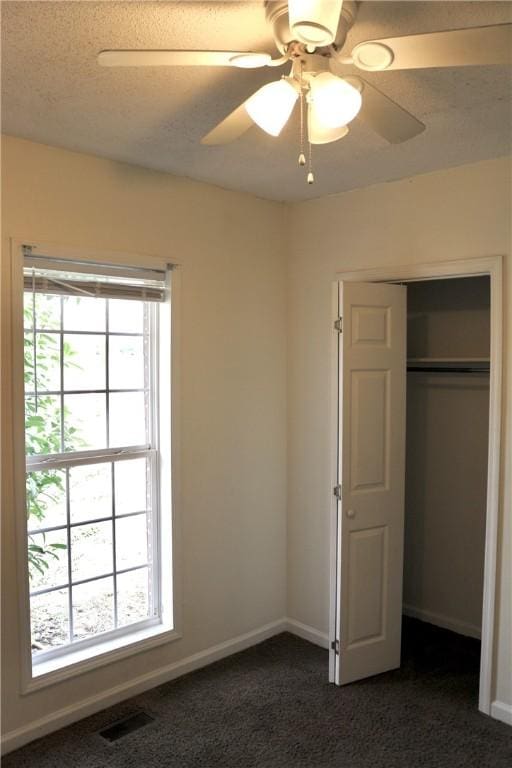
(125, 726)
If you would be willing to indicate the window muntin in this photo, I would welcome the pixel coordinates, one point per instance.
(92, 484)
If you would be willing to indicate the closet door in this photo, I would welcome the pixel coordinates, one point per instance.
(371, 471)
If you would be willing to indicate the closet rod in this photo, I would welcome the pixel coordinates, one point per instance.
(445, 369)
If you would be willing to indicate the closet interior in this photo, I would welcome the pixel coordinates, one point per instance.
(448, 349)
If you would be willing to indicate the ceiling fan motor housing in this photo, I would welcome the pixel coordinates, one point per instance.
(309, 65)
(277, 15)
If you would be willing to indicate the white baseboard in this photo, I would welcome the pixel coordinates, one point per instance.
(502, 711)
(307, 633)
(62, 717)
(440, 620)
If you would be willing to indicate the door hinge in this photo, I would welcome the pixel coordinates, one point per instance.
(335, 646)
(337, 491)
(338, 325)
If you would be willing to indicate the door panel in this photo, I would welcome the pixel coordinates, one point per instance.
(369, 454)
(370, 326)
(372, 366)
(367, 573)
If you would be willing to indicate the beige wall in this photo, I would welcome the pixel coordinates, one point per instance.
(233, 388)
(456, 214)
(233, 450)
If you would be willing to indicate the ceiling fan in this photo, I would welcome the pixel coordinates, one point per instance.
(310, 35)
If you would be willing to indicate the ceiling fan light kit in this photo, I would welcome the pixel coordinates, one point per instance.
(319, 134)
(335, 101)
(311, 35)
(271, 106)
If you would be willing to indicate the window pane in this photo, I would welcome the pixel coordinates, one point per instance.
(125, 316)
(126, 362)
(90, 492)
(84, 313)
(42, 359)
(132, 597)
(93, 608)
(46, 498)
(47, 559)
(28, 315)
(28, 355)
(127, 419)
(85, 420)
(47, 311)
(131, 541)
(91, 550)
(50, 620)
(131, 486)
(88, 420)
(42, 425)
(48, 361)
(84, 362)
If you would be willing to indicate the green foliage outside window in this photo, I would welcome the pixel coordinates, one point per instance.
(43, 434)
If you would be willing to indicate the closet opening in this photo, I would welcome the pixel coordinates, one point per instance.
(447, 436)
(416, 399)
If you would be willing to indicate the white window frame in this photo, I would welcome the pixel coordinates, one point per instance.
(88, 654)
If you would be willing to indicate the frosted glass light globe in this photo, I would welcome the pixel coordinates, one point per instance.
(335, 101)
(272, 105)
(318, 133)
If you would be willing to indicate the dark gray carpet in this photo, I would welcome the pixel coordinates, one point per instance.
(271, 707)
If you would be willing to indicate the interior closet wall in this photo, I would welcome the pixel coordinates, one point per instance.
(447, 440)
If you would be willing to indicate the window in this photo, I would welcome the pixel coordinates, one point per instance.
(93, 456)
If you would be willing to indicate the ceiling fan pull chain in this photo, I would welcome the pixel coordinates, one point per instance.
(302, 156)
(311, 177)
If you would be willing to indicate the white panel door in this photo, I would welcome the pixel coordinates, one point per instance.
(371, 471)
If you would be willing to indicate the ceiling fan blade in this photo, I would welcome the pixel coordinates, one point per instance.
(387, 118)
(475, 46)
(233, 126)
(170, 58)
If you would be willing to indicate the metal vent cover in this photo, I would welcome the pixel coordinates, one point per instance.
(126, 726)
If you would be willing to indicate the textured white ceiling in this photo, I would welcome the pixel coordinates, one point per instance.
(54, 92)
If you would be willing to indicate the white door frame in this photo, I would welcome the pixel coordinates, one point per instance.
(491, 266)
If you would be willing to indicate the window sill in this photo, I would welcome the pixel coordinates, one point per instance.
(77, 662)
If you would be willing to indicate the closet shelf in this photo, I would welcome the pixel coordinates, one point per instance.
(448, 364)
